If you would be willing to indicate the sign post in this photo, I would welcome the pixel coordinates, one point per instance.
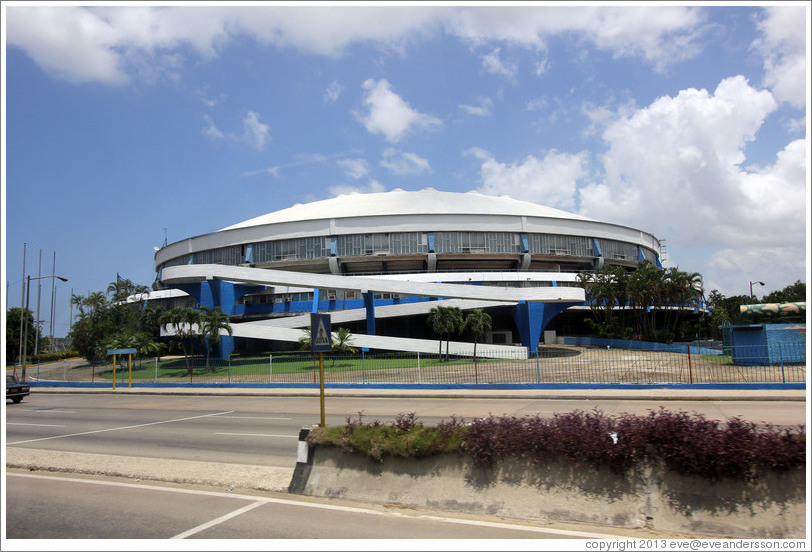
(321, 341)
(115, 353)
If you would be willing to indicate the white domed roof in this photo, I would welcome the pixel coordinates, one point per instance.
(400, 202)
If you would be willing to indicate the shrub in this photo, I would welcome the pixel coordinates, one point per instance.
(687, 444)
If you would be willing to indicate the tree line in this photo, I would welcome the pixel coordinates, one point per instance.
(622, 305)
(112, 320)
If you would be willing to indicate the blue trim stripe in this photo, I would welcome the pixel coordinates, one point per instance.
(418, 386)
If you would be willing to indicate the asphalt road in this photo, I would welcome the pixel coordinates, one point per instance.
(65, 507)
(228, 436)
(263, 430)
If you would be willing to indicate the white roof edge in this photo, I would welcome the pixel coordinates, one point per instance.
(399, 202)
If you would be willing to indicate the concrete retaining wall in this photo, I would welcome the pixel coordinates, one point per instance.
(650, 497)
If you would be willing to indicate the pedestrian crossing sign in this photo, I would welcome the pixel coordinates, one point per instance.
(320, 332)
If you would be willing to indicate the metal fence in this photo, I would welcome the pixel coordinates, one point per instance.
(553, 364)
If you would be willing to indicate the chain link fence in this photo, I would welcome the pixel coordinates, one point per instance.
(553, 364)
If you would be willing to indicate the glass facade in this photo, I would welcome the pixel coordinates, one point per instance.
(556, 244)
(477, 242)
(616, 250)
(405, 243)
(395, 243)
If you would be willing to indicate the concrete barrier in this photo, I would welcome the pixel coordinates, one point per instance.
(645, 497)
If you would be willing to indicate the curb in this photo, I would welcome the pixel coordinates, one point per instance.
(263, 478)
(304, 464)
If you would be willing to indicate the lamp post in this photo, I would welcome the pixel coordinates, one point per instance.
(25, 313)
(751, 289)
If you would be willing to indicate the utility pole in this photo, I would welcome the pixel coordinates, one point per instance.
(22, 306)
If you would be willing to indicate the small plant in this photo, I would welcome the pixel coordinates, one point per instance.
(687, 444)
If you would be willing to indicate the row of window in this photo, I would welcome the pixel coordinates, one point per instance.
(341, 294)
(399, 243)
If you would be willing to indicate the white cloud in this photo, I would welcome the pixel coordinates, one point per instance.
(108, 43)
(549, 180)
(372, 187)
(659, 34)
(254, 132)
(211, 129)
(388, 114)
(354, 168)
(403, 163)
(481, 109)
(675, 168)
(783, 44)
(332, 92)
(494, 65)
(70, 42)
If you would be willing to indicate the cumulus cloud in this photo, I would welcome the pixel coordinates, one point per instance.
(403, 163)
(659, 34)
(783, 44)
(677, 169)
(390, 115)
(355, 168)
(343, 189)
(109, 44)
(550, 180)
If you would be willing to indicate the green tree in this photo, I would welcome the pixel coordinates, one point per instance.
(185, 325)
(342, 341)
(445, 321)
(305, 340)
(478, 323)
(212, 320)
(13, 336)
(792, 293)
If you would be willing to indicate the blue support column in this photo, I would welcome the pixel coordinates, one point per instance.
(531, 319)
(219, 293)
(315, 307)
(369, 303)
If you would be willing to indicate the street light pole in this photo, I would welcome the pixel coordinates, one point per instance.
(751, 290)
(25, 313)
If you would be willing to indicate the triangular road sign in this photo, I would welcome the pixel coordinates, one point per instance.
(322, 337)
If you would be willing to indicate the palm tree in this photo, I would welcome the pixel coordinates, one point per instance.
(183, 321)
(445, 321)
(477, 322)
(342, 341)
(212, 320)
(305, 340)
(191, 328)
(123, 288)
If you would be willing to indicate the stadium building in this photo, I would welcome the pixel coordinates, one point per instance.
(379, 262)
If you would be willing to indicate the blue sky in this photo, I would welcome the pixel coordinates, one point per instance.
(125, 124)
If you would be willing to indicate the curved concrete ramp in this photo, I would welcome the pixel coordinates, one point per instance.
(258, 330)
(261, 276)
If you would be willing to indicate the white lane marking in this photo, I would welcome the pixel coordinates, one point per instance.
(255, 418)
(119, 428)
(38, 425)
(259, 435)
(319, 506)
(47, 411)
(218, 521)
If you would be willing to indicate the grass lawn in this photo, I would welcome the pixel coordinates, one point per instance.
(277, 364)
(720, 359)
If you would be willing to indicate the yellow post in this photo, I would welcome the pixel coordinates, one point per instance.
(130, 363)
(321, 386)
(114, 371)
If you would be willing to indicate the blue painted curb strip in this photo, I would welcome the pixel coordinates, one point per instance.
(727, 386)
